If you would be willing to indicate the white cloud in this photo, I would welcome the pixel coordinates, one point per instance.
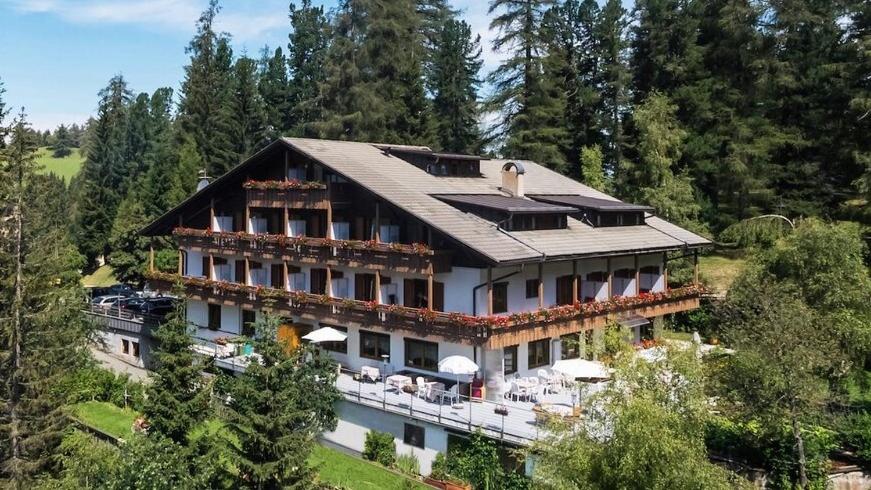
(244, 20)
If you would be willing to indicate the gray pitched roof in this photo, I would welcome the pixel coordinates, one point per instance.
(413, 190)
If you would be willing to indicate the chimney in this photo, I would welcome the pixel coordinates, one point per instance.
(512, 178)
(203, 181)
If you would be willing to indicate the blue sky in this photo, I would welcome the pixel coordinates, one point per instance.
(55, 55)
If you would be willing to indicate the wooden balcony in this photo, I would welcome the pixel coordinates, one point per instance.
(491, 332)
(290, 194)
(412, 259)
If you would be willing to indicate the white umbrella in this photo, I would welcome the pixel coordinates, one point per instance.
(325, 334)
(581, 368)
(457, 365)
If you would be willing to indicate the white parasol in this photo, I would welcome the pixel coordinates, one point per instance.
(581, 368)
(325, 334)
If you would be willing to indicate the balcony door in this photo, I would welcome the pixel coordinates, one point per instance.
(415, 294)
(564, 290)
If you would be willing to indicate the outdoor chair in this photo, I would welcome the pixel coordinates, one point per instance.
(421, 387)
(452, 394)
(370, 373)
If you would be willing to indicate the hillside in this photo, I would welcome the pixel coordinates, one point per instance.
(66, 167)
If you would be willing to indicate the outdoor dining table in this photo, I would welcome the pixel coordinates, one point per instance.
(398, 381)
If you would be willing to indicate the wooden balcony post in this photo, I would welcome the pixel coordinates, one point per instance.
(610, 277)
(211, 267)
(665, 271)
(377, 286)
(330, 211)
(286, 275)
(696, 266)
(489, 291)
(212, 214)
(247, 272)
(429, 288)
(637, 277)
(286, 163)
(180, 262)
(329, 288)
(286, 231)
(151, 255)
(574, 281)
(247, 218)
(377, 232)
(541, 285)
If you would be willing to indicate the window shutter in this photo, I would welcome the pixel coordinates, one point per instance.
(408, 293)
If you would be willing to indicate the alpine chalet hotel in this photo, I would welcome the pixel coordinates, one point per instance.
(415, 256)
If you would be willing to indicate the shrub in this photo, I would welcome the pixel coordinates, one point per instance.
(855, 433)
(94, 383)
(379, 447)
(478, 461)
(408, 464)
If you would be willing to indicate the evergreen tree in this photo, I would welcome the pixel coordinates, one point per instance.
(138, 139)
(102, 176)
(532, 112)
(615, 79)
(247, 112)
(652, 179)
(206, 92)
(276, 410)
(592, 173)
(374, 86)
(306, 56)
(159, 158)
(40, 285)
(274, 88)
(454, 83)
(62, 142)
(177, 397)
(184, 176)
(129, 249)
(3, 113)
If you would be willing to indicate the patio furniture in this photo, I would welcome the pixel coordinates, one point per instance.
(457, 365)
(433, 388)
(398, 381)
(421, 387)
(370, 373)
(452, 394)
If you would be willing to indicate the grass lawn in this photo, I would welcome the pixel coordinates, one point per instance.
(106, 417)
(104, 276)
(672, 335)
(719, 271)
(65, 168)
(349, 472)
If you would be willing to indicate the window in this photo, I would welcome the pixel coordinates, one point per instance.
(125, 346)
(414, 435)
(509, 359)
(422, 355)
(374, 345)
(277, 276)
(222, 269)
(500, 297)
(570, 346)
(531, 288)
(339, 347)
(207, 268)
(318, 281)
(364, 287)
(415, 294)
(135, 349)
(539, 354)
(240, 272)
(248, 319)
(214, 317)
(564, 287)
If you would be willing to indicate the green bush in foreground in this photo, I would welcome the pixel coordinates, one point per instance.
(380, 447)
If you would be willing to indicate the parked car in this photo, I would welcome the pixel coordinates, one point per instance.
(113, 290)
(151, 306)
(105, 302)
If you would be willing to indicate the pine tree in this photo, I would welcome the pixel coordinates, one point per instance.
(276, 410)
(102, 176)
(374, 87)
(206, 92)
(529, 102)
(184, 176)
(138, 138)
(62, 142)
(129, 249)
(40, 284)
(160, 158)
(306, 57)
(615, 79)
(177, 397)
(3, 113)
(274, 88)
(247, 112)
(454, 84)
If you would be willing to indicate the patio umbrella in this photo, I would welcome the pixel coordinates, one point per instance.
(325, 334)
(457, 365)
(581, 368)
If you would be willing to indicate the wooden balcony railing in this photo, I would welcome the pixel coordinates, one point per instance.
(289, 193)
(415, 259)
(493, 331)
